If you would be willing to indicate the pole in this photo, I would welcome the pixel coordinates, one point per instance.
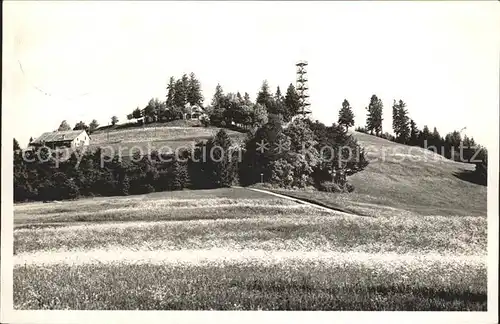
(262, 178)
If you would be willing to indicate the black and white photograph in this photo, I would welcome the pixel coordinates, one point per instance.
(291, 161)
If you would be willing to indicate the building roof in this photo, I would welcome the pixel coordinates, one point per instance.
(58, 136)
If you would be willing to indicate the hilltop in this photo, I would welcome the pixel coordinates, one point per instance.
(159, 136)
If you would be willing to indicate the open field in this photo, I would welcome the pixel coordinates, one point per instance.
(161, 138)
(241, 249)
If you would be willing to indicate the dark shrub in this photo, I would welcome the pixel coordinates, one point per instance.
(329, 186)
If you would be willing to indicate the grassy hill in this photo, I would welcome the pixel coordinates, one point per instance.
(404, 180)
(157, 136)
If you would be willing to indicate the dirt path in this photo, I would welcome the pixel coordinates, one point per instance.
(305, 202)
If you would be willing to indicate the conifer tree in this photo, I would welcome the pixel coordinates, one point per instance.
(400, 122)
(16, 145)
(292, 103)
(264, 96)
(180, 94)
(194, 96)
(170, 93)
(374, 119)
(346, 116)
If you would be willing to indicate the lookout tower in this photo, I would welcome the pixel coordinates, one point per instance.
(302, 88)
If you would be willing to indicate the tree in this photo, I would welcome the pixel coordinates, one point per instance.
(93, 125)
(151, 110)
(114, 120)
(222, 164)
(414, 132)
(452, 143)
(300, 135)
(246, 99)
(239, 97)
(81, 126)
(259, 115)
(400, 122)
(436, 140)
(277, 95)
(264, 96)
(292, 103)
(218, 97)
(194, 96)
(276, 105)
(170, 93)
(64, 126)
(346, 116)
(424, 135)
(137, 113)
(259, 156)
(161, 110)
(130, 116)
(16, 145)
(179, 175)
(217, 109)
(180, 93)
(374, 119)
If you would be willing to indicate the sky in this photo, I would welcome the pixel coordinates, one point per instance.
(98, 59)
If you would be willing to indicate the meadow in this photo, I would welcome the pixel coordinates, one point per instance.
(160, 138)
(411, 237)
(239, 249)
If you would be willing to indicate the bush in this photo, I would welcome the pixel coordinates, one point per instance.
(348, 187)
(329, 186)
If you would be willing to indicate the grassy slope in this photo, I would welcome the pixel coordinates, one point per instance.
(157, 137)
(396, 184)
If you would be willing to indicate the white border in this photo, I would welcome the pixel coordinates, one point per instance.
(8, 315)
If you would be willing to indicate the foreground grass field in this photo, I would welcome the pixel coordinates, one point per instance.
(241, 249)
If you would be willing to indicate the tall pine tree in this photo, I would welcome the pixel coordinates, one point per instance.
(264, 96)
(374, 119)
(180, 94)
(218, 97)
(292, 103)
(401, 122)
(194, 96)
(170, 92)
(346, 116)
(16, 145)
